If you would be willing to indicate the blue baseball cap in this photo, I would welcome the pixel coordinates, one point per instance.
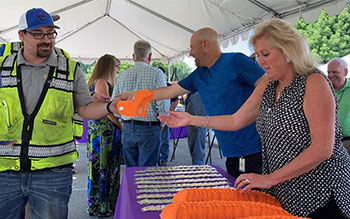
(35, 18)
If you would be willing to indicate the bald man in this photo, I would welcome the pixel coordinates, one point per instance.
(337, 70)
(224, 81)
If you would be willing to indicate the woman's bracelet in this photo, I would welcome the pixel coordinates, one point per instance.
(107, 107)
(206, 122)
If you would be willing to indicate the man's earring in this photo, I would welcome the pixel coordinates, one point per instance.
(287, 60)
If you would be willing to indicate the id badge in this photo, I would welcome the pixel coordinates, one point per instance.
(242, 164)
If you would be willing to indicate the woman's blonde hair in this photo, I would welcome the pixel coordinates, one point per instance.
(280, 35)
(105, 65)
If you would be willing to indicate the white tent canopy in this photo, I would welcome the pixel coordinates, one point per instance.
(91, 28)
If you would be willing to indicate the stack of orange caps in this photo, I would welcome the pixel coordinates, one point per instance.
(211, 203)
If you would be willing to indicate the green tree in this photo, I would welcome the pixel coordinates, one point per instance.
(328, 37)
(182, 70)
(124, 66)
(158, 64)
(87, 69)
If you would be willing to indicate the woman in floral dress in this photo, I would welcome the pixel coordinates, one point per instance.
(104, 145)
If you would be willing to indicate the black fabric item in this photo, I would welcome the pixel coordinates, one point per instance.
(253, 164)
(330, 210)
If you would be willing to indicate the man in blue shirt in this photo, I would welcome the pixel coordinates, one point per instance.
(224, 81)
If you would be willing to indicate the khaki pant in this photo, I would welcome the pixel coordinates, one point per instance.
(346, 144)
(27, 215)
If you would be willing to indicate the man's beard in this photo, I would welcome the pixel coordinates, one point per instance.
(199, 59)
(197, 62)
(44, 53)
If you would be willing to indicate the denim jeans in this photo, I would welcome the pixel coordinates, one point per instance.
(196, 143)
(46, 191)
(164, 144)
(141, 145)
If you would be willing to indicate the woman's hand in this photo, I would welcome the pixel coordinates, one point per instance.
(176, 119)
(100, 98)
(252, 180)
(126, 95)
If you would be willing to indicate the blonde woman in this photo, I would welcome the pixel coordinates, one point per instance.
(104, 145)
(305, 165)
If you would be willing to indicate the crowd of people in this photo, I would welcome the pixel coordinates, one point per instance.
(280, 122)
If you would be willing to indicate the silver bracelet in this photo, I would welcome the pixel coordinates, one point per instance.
(184, 185)
(153, 208)
(175, 190)
(156, 195)
(206, 122)
(152, 190)
(174, 173)
(210, 175)
(176, 181)
(154, 201)
(176, 168)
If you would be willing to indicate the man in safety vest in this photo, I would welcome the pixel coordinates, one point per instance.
(40, 92)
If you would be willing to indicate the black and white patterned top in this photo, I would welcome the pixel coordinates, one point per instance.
(285, 133)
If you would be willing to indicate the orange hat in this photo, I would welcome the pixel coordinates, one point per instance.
(138, 106)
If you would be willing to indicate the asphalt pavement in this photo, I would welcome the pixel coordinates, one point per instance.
(78, 198)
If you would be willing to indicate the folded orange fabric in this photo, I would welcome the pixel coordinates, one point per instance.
(138, 106)
(220, 210)
(211, 194)
(274, 217)
(217, 203)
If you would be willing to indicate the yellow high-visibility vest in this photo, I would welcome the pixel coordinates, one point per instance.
(44, 138)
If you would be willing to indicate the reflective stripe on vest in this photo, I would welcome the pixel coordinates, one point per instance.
(61, 82)
(39, 151)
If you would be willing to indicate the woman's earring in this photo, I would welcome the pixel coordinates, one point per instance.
(256, 58)
(287, 60)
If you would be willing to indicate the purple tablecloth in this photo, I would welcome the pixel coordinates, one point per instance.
(83, 138)
(176, 132)
(127, 206)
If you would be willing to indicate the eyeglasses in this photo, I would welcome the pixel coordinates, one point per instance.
(40, 36)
